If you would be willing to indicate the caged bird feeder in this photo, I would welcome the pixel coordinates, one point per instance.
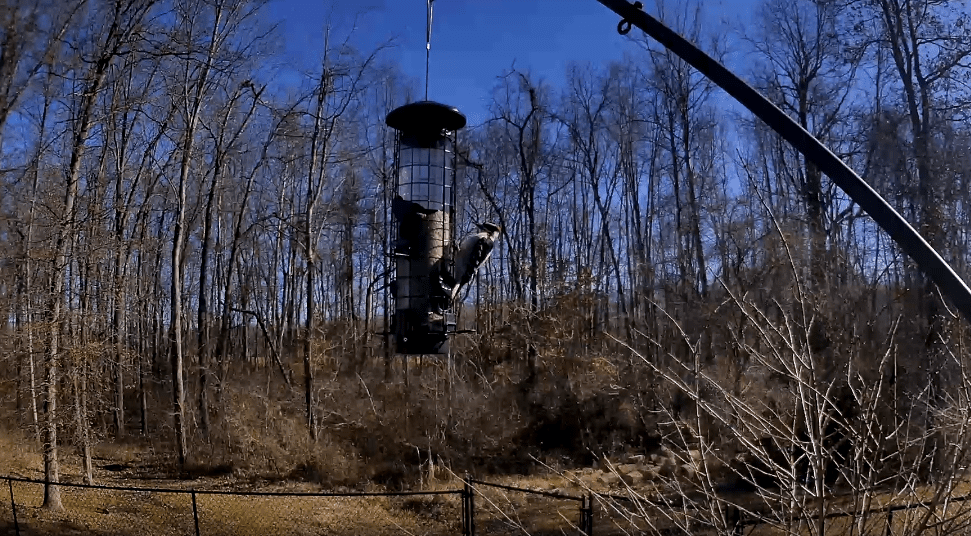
(423, 224)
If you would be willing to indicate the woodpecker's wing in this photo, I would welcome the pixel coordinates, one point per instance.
(476, 251)
(481, 251)
(473, 252)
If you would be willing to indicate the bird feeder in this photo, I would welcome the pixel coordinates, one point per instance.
(423, 224)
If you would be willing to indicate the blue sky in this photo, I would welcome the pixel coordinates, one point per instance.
(474, 41)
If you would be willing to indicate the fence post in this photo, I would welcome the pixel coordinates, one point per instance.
(583, 514)
(586, 514)
(735, 521)
(468, 508)
(465, 506)
(195, 512)
(13, 506)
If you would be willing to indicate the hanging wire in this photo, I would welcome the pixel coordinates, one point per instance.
(428, 43)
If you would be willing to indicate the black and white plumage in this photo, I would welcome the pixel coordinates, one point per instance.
(473, 252)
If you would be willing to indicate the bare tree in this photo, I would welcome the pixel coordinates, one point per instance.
(929, 44)
(688, 123)
(32, 37)
(205, 39)
(336, 90)
(810, 74)
(227, 136)
(524, 119)
(110, 38)
(809, 452)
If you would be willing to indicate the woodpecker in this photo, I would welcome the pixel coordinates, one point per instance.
(473, 252)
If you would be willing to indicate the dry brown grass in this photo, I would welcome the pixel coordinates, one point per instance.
(19, 455)
(141, 512)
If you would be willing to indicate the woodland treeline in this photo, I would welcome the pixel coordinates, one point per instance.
(196, 255)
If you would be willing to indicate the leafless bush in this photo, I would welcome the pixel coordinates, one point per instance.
(807, 437)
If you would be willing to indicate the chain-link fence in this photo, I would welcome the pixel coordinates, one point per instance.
(119, 510)
(507, 509)
(488, 507)
(478, 506)
(635, 514)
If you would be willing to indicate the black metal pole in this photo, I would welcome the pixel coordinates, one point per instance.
(586, 517)
(734, 520)
(468, 508)
(582, 524)
(927, 259)
(13, 507)
(465, 507)
(195, 512)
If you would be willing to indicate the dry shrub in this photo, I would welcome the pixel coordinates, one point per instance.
(125, 452)
(442, 508)
(260, 435)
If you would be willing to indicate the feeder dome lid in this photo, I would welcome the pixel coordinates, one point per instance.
(425, 116)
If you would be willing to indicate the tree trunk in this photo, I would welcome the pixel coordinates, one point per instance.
(65, 239)
(197, 87)
(318, 157)
(52, 493)
(175, 312)
(80, 384)
(202, 318)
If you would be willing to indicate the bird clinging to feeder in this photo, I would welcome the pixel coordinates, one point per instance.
(473, 252)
